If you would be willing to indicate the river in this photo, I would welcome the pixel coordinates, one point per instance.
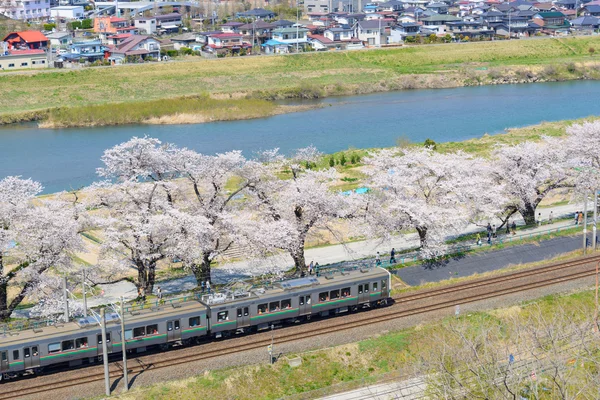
(67, 158)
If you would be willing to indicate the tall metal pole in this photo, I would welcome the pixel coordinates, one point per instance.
(124, 346)
(595, 219)
(596, 308)
(297, 27)
(66, 299)
(84, 295)
(585, 202)
(105, 352)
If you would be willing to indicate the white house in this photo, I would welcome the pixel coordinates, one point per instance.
(25, 9)
(370, 32)
(338, 34)
(60, 39)
(291, 35)
(67, 12)
(146, 25)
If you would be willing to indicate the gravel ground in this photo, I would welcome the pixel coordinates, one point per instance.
(150, 377)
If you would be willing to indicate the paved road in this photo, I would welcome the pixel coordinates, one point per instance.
(490, 261)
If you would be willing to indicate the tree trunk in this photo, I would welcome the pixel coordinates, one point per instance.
(202, 271)
(299, 261)
(422, 230)
(146, 275)
(528, 213)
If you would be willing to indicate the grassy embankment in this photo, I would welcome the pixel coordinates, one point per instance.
(300, 76)
(390, 356)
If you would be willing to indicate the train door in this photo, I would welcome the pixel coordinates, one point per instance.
(4, 361)
(243, 317)
(385, 291)
(109, 346)
(363, 293)
(304, 304)
(173, 330)
(31, 357)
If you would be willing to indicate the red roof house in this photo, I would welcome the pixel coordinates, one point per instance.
(26, 40)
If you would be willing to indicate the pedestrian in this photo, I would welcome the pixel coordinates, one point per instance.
(311, 267)
(494, 234)
(393, 256)
(539, 219)
(478, 240)
(378, 260)
(317, 269)
(576, 217)
(551, 217)
(159, 293)
(202, 287)
(580, 217)
(508, 226)
(489, 228)
(208, 286)
(514, 228)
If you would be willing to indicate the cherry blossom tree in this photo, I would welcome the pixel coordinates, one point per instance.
(581, 145)
(529, 171)
(435, 194)
(288, 200)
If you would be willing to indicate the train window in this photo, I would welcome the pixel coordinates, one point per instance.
(246, 312)
(239, 312)
(81, 342)
(374, 286)
(26, 352)
(99, 337)
(176, 325)
(53, 348)
(34, 351)
(273, 306)
(308, 299)
(335, 294)
(301, 300)
(194, 321)
(68, 345)
(152, 329)
(128, 334)
(4, 358)
(262, 308)
(223, 316)
(141, 331)
(360, 289)
(286, 304)
(366, 288)
(346, 292)
(324, 296)
(15, 355)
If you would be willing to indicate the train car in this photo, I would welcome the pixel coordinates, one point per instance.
(80, 342)
(335, 291)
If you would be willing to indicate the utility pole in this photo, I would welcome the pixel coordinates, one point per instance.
(596, 308)
(297, 27)
(585, 201)
(66, 299)
(105, 351)
(84, 295)
(595, 219)
(124, 346)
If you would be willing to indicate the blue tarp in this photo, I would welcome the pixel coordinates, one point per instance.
(273, 42)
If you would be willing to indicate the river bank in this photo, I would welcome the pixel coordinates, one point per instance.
(304, 76)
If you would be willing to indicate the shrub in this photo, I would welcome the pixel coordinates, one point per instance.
(352, 159)
(343, 159)
(591, 50)
(186, 51)
(86, 24)
(49, 27)
(172, 53)
(331, 161)
(430, 143)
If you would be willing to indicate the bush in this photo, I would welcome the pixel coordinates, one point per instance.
(430, 143)
(172, 53)
(343, 159)
(186, 51)
(49, 27)
(331, 161)
(591, 50)
(87, 24)
(75, 25)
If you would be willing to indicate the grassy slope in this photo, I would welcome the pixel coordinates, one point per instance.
(39, 90)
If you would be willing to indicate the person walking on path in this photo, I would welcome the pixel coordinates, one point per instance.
(393, 256)
(159, 293)
(551, 217)
(576, 217)
(311, 266)
(202, 287)
(539, 218)
(489, 233)
(378, 260)
(478, 239)
(208, 286)
(494, 230)
(580, 218)
(514, 228)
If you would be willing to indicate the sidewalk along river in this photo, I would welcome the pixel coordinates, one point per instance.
(67, 158)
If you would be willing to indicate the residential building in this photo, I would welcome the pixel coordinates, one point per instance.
(88, 50)
(256, 32)
(168, 23)
(438, 22)
(109, 24)
(338, 34)
(592, 10)
(146, 25)
(225, 43)
(400, 32)
(135, 46)
(369, 32)
(585, 23)
(67, 12)
(81, 3)
(316, 6)
(17, 59)
(257, 13)
(231, 27)
(439, 8)
(551, 21)
(25, 9)
(293, 36)
(26, 40)
(187, 40)
(60, 39)
(282, 23)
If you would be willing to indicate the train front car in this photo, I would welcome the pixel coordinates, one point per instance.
(178, 321)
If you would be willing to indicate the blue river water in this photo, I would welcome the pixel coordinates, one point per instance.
(67, 158)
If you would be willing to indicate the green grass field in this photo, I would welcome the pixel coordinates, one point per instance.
(305, 75)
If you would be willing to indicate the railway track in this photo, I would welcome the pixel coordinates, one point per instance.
(398, 310)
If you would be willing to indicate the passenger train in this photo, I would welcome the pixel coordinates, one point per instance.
(194, 318)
